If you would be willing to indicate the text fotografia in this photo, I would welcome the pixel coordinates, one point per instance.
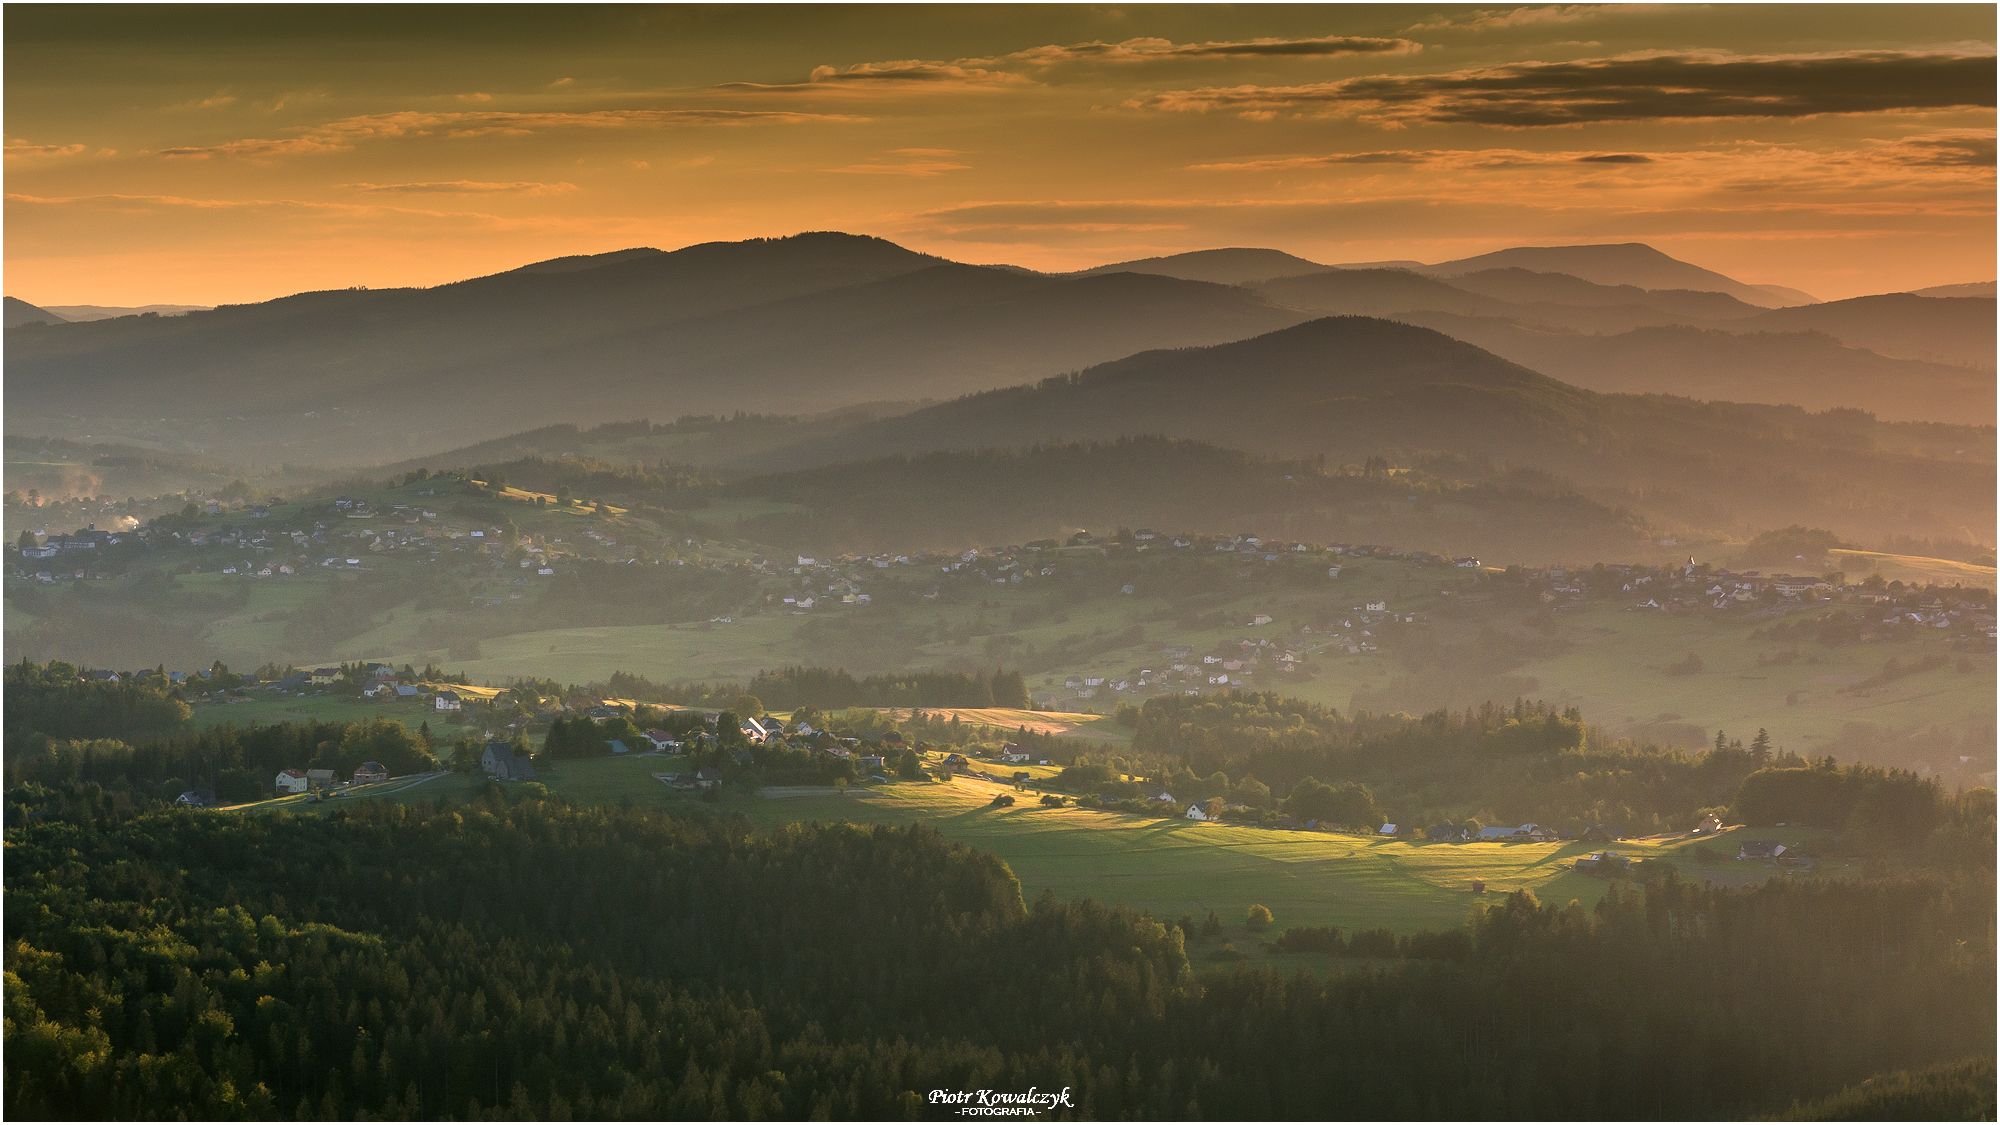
(1002, 1103)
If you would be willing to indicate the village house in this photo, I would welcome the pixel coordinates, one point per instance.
(291, 781)
(501, 763)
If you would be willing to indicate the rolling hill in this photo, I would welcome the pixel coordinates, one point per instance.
(1953, 330)
(1351, 388)
(1227, 266)
(79, 313)
(1623, 263)
(1808, 369)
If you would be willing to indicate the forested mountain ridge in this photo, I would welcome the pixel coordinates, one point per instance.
(1350, 388)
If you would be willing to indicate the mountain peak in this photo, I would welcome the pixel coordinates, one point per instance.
(1228, 265)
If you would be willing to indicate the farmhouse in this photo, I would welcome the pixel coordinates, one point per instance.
(370, 771)
(448, 701)
(1603, 863)
(291, 781)
(1527, 832)
(1195, 812)
(501, 763)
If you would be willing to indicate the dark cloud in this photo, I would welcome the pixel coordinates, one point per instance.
(1615, 158)
(1626, 88)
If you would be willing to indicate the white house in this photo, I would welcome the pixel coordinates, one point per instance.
(448, 701)
(291, 781)
(1194, 813)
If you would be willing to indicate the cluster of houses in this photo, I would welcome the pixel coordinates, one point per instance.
(291, 781)
(1701, 588)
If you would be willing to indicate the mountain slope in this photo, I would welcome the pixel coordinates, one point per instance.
(1625, 263)
(1352, 388)
(19, 312)
(1807, 369)
(1963, 289)
(1956, 330)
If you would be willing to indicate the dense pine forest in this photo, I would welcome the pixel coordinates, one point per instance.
(509, 955)
(530, 959)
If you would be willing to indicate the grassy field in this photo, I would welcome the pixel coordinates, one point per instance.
(1169, 868)
(1617, 674)
(1083, 724)
(1911, 568)
(312, 708)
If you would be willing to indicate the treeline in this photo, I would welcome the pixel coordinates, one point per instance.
(534, 960)
(233, 763)
(792, 687)
(788, 689)
(49, 701)
(953, 499)
(1887, 805)
(1496, 763)
(590, 479)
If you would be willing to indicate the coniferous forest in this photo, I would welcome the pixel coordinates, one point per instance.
(527, 958)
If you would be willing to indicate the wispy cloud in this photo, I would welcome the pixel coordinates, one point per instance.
(465, 187)
(1493, 158)
(1027, 67)
(1539, 15)
(1150, 50)
(1623, 88)
(19, 149)
(918, 163)
(343, 134)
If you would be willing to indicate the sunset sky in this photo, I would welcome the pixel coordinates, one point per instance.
(239, 153)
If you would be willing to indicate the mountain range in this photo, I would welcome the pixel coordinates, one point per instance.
(1495, 363)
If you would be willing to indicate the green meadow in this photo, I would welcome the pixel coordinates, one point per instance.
(1167, 868)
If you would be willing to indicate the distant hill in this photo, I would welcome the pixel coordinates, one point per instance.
(1624, 263)
(794, 325)
(1351, 388)
(20, 312)
(1379, 292)
(962, 498)
(78, 313)
(1955, 330)
(1965, 289)
(1527, 287)
(1230, 266)
(1808, 369)
(1541, 300)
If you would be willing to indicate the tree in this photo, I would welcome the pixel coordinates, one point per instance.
(1761, 745)
(749, 706)
(1258, 918)
(26, 542)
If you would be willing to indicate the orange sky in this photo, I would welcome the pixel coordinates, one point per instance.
(238, 153)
